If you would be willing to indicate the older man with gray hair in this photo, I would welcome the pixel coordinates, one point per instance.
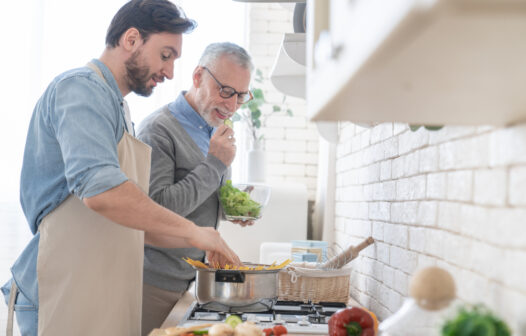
(192, 150)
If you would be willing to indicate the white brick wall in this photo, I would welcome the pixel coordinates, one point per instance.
(291, 144)
(455, 198)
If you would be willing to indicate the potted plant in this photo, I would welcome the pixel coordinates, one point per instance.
(253, 115)
(474, 321)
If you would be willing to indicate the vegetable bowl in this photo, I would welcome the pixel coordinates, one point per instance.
(243, 201)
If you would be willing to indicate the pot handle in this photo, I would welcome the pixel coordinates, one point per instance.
(230, 276)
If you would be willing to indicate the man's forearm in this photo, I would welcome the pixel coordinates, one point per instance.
(127, 205)
(164, 241)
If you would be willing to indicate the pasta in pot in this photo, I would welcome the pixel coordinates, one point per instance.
(273, 266)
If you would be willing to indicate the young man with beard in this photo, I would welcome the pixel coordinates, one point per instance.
(84, 187)
(192, 151)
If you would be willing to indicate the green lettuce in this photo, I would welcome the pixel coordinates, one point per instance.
(236, 202)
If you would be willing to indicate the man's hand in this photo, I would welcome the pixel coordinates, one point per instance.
(217, 260)
(223, 145)
(210, 240)
(243, 223)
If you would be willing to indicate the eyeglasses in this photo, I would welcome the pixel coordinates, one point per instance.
(227, 91)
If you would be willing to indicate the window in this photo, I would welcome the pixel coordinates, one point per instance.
(46, 37)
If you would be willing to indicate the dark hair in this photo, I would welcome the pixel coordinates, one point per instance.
(149, 17)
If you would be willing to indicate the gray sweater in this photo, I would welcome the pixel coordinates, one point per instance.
(184, 181)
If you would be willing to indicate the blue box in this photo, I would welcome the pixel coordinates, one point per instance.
(309, 250)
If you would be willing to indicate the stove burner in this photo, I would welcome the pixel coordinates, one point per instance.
(209, 316)
(311, 308)
(303, 322)
(317, 307)
(278, 320)
(316, 318)
(306, 306)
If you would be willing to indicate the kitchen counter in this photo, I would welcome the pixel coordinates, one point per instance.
(180, 309)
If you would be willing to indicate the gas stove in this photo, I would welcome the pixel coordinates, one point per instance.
(299, 318)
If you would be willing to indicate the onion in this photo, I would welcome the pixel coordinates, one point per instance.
(221, 329)
(247, 329)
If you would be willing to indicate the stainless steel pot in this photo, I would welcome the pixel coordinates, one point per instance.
(236, 291)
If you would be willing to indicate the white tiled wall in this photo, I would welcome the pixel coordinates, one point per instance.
(291, 144)
(455, 198)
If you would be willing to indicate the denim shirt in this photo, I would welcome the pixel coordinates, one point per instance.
(192, 122)
(71, 148)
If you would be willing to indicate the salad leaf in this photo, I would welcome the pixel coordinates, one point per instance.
(236, 202)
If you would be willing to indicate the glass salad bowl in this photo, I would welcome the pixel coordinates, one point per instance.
(243, 201)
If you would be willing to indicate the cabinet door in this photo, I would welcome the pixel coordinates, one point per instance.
(425, 62)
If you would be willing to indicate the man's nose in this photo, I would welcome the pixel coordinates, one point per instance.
(231, 103)
(168, 70)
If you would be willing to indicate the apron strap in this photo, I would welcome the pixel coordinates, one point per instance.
(96, 69)
(11, 308)
(127, 115)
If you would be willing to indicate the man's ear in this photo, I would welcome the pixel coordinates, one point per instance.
(131, 39)
(197, 76)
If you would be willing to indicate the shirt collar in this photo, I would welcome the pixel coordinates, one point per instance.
(108, 76)
(182, 107)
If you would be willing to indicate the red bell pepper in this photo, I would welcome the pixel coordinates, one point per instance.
(352, 322)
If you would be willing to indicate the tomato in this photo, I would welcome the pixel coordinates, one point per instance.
(279, 330)
(276, 331)
(268, 331)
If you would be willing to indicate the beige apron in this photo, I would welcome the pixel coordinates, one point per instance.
(89, 268)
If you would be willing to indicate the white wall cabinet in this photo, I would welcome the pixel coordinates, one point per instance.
(430, 62)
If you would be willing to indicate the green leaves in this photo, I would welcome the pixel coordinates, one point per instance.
(475, 321)
(258, 95)
(254, 112)
(236, 117)
(259, 76)
(252, 105)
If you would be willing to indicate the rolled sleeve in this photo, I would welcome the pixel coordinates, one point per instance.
(88, 127)
(102, 179)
